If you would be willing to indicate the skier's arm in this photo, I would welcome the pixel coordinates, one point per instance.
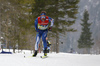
(52, 21)
(36, 24)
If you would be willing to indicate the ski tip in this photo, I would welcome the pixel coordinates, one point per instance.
(43, 57)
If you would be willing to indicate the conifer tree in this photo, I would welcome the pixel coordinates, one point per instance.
(16, 23)
(85, 40)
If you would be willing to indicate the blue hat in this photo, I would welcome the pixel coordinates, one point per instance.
(43, 13)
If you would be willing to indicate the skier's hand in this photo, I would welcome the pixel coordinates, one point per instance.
(37, 30)
(49, 28)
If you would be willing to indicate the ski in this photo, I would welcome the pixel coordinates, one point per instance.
(43, 57)
(28, 57)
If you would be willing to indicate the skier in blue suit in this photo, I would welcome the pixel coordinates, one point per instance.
(41, 27)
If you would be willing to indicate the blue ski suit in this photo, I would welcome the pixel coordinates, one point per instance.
(42, 29)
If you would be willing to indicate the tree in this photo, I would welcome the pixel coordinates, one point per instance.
(16, 22)
(85, 40)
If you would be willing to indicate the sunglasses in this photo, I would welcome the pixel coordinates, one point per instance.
(42, 16)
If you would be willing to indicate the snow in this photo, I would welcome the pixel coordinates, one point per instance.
(54, 59)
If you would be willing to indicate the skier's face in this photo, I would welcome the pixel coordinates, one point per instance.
(43, 17)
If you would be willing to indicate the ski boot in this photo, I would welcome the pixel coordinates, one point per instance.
(45, 53)
(45, 56)
(35, 53)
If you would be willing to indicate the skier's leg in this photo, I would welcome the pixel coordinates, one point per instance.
(38, 36)
(44, 35)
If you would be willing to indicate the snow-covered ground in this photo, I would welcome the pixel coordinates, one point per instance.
(60, 59)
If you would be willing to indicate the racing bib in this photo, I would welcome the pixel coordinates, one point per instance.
(42, 25)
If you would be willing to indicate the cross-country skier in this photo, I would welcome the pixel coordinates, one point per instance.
(41, 27)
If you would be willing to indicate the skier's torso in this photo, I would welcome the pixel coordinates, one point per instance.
(43, 25)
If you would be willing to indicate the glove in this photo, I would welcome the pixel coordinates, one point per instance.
(50, 28)
(37, 30)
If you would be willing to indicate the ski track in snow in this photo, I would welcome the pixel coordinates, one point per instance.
(59, 59)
